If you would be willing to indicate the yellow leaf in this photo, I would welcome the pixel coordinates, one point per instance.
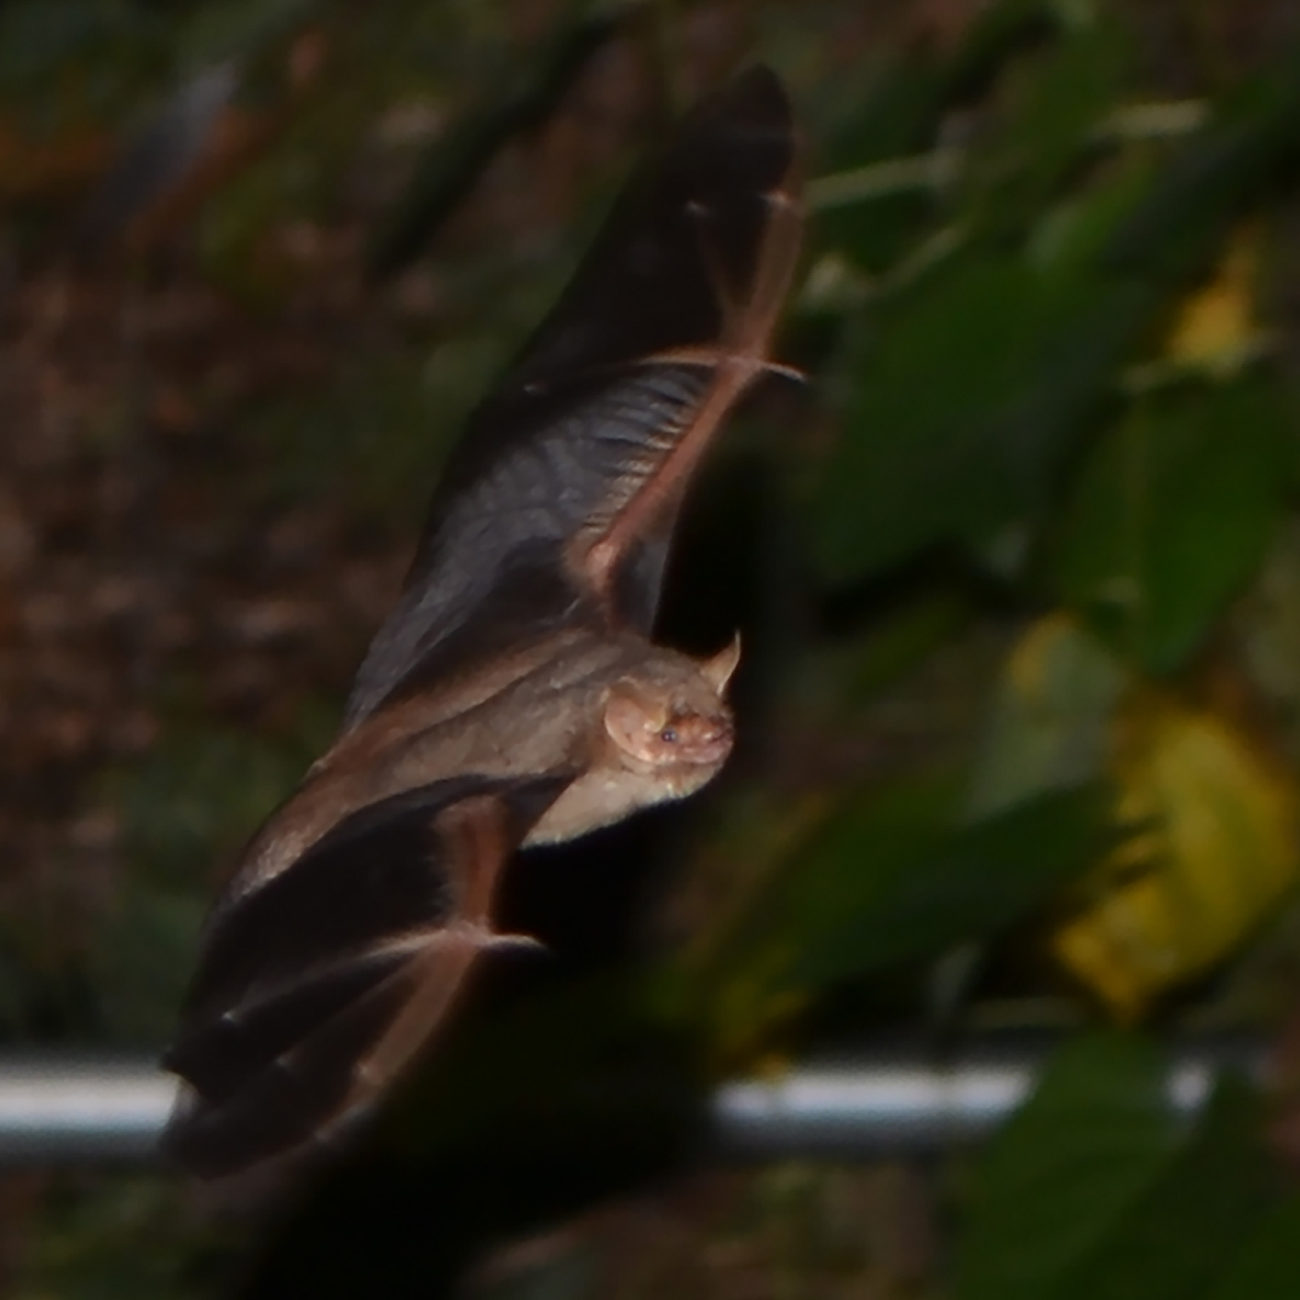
(1218, 850)
(1215, 329)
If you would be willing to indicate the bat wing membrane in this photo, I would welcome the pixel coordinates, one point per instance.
(319, 985)
(559, 502)
(320, 979)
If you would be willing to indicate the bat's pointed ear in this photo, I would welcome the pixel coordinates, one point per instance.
(719, 669)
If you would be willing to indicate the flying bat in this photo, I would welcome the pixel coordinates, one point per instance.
(513, 696)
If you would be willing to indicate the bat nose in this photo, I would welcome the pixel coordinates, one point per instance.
(707, 739)
(717, 731)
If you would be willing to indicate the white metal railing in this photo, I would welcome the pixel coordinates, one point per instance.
(64, 1109)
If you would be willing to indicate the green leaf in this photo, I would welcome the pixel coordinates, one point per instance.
(996, 32)
(907, 465)
(1250, 139)
(1269, 1264)
(1056, 101)
(1190, 1223)
(1096, 1190)
(983, 878)
(965, 405)
(1071, 236)
(890, 879)
(1069, 93)
(1066, 1170)
(899, 117)
(1171, 514)
(832, 870)
(1050, 722)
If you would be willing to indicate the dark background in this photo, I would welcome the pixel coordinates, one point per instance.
(1017, 573)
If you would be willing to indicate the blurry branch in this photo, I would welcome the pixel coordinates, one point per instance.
(197, 139)
(938, 169)
(451, 168)
(834, 285)
(928, 171)
(159, 156)
(1154, 121)
(930, 252)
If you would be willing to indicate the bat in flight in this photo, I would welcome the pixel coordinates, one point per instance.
(513, 696)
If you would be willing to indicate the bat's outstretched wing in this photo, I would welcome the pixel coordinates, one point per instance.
(342, 940)
(559, 502)
(318, 984)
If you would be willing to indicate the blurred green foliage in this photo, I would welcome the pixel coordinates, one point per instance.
(1042, 498)
(1095, 1188)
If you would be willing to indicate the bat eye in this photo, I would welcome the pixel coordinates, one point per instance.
(668, 735)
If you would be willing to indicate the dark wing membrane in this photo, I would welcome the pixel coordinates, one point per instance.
(317, 986)
(559, 501)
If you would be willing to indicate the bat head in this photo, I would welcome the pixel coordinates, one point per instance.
(670, 715)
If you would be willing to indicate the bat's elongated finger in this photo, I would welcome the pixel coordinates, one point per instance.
(285, 1041)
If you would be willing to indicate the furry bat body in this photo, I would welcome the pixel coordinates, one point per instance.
(513, 697)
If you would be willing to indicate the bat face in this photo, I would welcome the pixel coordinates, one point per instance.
(513, 697)
(658, 733)
(663, 729)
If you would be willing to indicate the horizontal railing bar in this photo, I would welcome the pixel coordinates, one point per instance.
(57, 1110)
(904, 1102)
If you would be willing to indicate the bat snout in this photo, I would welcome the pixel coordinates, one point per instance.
(698, 739)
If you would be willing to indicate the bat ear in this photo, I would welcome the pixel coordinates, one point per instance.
(718, 670)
